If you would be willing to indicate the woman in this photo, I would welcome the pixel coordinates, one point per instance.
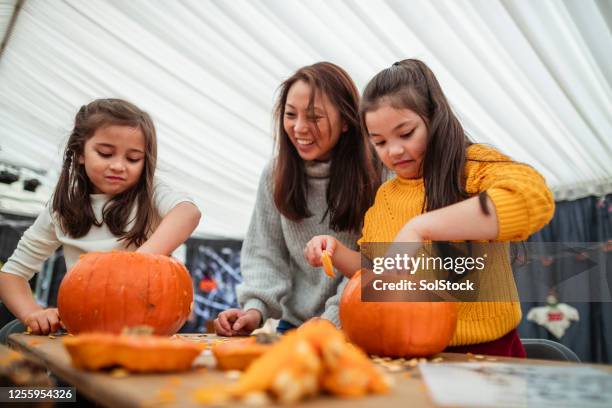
(322, 181)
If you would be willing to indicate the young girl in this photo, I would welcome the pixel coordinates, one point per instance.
(106, 199)
(446, 189)
(322, 181)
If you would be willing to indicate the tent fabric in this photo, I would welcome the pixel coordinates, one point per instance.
(532, 78)
(7, 7)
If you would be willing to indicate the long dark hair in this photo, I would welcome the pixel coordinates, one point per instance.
(354, 174)
(410, 84)
(71, 202)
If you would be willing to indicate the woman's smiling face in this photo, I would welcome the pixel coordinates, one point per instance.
(313, 131)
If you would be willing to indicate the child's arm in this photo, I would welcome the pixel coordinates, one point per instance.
(344, 259)
(173, 230)
(517, 199)
(37, 243)
(457, 222)
(17, 295)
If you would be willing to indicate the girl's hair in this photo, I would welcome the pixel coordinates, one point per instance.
(354, 173)
(71, 202)
(410, 84)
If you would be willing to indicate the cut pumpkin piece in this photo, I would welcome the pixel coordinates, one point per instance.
(293, 355)
(328, 266)
(350, 373)
(238, 354)
(320, 333)
(305, 361)
(137, 353)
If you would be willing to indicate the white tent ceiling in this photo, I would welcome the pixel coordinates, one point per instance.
(533, 78)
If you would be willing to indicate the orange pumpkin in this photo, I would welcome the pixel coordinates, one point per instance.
(106, 292)
(396, 329)
(138, 353)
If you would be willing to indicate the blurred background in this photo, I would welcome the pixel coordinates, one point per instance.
(532, 78)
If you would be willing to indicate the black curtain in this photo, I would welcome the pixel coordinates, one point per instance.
(12, 227)
(586, 220)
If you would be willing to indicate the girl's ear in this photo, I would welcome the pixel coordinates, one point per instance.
(81, 159)
(344, 126)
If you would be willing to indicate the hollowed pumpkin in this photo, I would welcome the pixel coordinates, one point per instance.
(106, 292)
(396, 329)
(137, 353)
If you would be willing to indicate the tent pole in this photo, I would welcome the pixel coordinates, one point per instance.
(11, 25)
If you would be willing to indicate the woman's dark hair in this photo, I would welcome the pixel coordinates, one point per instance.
(71, 202)
(354, 173)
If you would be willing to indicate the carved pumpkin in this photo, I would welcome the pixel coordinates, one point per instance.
(105, 292)
(137, 353)
(396, 329)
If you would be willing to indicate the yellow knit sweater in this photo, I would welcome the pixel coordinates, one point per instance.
(523, 205)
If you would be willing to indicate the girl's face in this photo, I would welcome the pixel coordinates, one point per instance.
(301, 124)
(400, 139)
(114, 158)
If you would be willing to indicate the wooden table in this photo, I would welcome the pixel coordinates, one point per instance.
(177, 389)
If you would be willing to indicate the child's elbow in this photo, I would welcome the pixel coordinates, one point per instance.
(549, 208)
(196, 215)
(188, 213)
(544, 210)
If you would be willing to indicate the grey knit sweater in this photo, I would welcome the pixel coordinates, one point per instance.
(277, 280)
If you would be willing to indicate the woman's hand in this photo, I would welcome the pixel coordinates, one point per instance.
(315, 247)
(43, 321)
(235, 322)
(344, 259)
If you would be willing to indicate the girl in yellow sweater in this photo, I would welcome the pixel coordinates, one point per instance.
(446, 189)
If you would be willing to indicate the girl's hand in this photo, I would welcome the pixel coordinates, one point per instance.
(314, 248)
(43, 321)
(406, 243)
(235, 322)
(411, 232)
